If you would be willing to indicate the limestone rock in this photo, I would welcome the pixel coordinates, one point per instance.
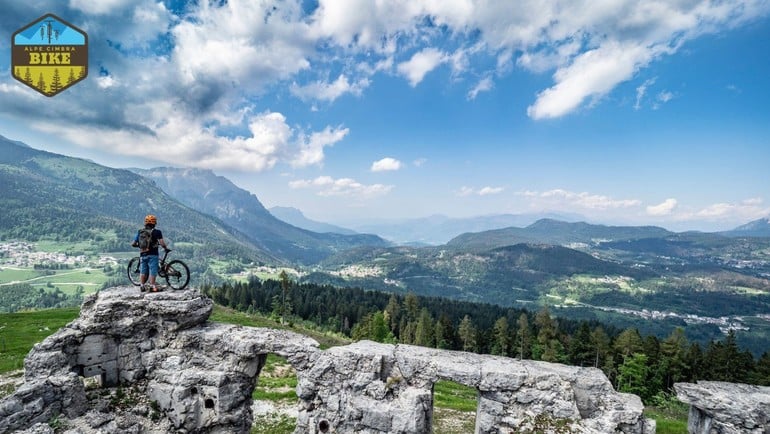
(166, 369)
(368, 387)
(726, 408)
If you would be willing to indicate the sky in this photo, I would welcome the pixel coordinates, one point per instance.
(619, 111)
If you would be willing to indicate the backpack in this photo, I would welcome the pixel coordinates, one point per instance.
(146, 241)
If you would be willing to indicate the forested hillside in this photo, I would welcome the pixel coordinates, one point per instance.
(215, 195)
(642, 364)
(50, 196)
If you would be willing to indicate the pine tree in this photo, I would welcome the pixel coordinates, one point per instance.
(378, 329)
(632, 375)
(393, 312)
(411, 306)
(56, 81)
(581, 352)
(285, 302)
(445, 333)
(41, 84)
(601, 344)
(523, 337)
(501, 337)
(761, 373)
(547, 343)
(694, 361)
(71, 78)
(424, 331)
(28, 76)
(628, 342)
(408, 331)
(726, 362)
(673, 364)
(467, 332)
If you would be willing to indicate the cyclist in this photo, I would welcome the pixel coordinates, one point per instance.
(149, 255)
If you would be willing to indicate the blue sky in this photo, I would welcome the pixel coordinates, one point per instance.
(623, 112)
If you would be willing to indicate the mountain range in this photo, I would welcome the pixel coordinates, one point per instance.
(51, 196)
(208, 193)
(550, 231)
(295, 217)
(756, 228)
(590, 268)
(438, 229)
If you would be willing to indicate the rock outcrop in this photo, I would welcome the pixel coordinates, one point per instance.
(726, 408)
(200, 377)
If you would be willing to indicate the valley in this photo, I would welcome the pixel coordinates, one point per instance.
(68, 220)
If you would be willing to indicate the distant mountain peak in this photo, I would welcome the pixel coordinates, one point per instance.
(755, 228)
(297, 218)
(13, 142)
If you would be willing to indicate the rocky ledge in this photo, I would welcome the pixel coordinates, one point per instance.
(194, 376)
(726, 408)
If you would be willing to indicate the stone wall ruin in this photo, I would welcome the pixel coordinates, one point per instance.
(201, 375)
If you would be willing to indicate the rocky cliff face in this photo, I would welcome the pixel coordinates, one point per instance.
(199, 377)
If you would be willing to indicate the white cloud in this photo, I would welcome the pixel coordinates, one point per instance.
(328, 186)
(664, 208)
(191, 84)
(484, 191)
(592, 46)
(641, 91)
(242, 43)
(99, 7)
(312, 148)
(420, 162)
(484, 85)
(725, 213)
(662, 98)
(592, 74)
(559, 198)
(105, 81)
(716, 210)
(465, 191)
(329, 91)
(386, 164)
(420, 64)
(754, 201)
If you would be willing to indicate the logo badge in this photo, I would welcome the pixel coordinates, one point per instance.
(49, 55)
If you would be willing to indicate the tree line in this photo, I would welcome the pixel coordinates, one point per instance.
(644, 365)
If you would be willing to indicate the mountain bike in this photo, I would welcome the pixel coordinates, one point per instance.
(176, 272)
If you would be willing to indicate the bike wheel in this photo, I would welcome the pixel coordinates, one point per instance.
(133, 271)
(177, 274)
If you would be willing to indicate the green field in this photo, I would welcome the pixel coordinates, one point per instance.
(67, 280)
(668, 421)
(20, 331)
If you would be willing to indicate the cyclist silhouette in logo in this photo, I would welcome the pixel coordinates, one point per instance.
(147, 240)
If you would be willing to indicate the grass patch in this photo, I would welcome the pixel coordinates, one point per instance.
(14, 274)
(20, 331)
(276, 389)
(232, 316)
(67, 280)
(670, 419)
(273, 424)
(277, 381)
(454, 396)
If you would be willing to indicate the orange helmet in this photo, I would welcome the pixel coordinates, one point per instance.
(150, 220)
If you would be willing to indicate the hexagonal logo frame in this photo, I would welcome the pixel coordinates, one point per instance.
(49, 55)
